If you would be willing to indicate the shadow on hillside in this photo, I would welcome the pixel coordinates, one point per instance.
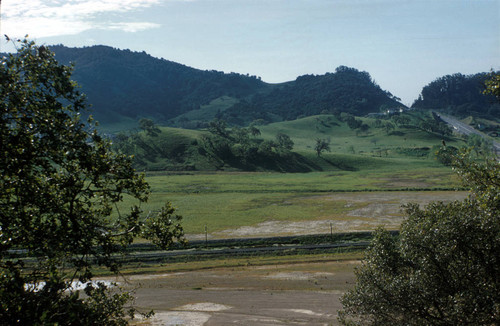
(341, 165)
(291, 162)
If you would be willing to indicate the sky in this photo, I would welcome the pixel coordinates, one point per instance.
(403, 44)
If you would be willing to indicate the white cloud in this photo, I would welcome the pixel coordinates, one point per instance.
(130, 27)
(68, 17)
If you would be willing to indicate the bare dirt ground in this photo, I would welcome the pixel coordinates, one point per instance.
(370, 210)
(298, 294)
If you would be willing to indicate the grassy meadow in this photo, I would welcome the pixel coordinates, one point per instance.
(229, 200)
(401, 160)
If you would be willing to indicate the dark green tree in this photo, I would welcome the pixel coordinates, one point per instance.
(443, 269)
(352, 122)
(149, 127)
(445, 154)
(254, 131)
(266, 147)
(479, 144)
(388, 126)
(461, 95)
(284, 144)
(321, 146)
(493, 85)
(218, 128)
(60, 190)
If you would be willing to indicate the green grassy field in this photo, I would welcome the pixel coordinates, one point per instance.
(374, 161)
(230, 200)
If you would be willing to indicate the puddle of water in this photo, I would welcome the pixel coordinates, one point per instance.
(204, 306)
(297, 276)
(175, 318)
(75, 286)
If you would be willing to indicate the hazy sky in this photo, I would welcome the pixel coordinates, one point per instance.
(403, 44)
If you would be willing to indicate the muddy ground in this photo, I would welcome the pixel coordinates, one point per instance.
(298, 294)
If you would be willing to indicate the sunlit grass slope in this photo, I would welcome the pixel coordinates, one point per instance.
(374, 142)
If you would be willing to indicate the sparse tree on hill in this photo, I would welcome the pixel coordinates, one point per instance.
(363, 129)
(254, 131)
(321, 146)
(388, 127)
(218, 128)
(149, 127)
(284, 143)
(60, 186)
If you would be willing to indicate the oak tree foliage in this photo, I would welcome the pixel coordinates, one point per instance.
(322, 145)
(443, 269)
(60, 193)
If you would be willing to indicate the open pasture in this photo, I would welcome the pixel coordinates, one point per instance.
(244, 204)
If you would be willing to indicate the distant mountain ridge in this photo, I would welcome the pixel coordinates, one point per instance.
(123, 83)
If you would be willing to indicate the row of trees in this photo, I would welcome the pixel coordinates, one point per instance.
(238, 146)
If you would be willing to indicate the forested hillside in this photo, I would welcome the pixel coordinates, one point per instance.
(134, 84)
(459, 95)
(122, 83)
(347, 90)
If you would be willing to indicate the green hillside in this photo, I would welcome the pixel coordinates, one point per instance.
(199, 118)
(346, 140)
(406, 138)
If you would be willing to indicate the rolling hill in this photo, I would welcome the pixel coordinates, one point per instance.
(239, 149)
(123, 85)
(347, 90)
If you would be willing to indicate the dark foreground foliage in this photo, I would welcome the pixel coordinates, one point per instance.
(59, 190)
(444, 269)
